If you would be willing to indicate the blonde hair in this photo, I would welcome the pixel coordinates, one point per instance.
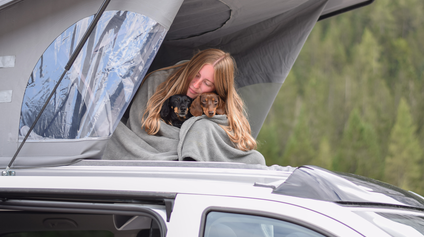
(238, 129)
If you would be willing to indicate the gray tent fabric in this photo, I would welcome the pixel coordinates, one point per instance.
(265, 49)
(264, 53)
(265, 38)
(199, 139)
(26, 31)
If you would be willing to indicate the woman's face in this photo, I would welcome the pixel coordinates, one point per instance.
(203, 82)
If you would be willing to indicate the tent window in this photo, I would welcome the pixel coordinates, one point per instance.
(98, 88)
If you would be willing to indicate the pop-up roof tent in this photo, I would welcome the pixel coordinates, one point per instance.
(132, 37)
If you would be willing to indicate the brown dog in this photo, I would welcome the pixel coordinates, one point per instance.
(209, 104)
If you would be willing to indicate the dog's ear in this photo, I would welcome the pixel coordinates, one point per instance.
(164, 112)
(196, 108)
(221, 106)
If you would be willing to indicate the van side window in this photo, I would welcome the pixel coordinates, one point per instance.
(243, 225)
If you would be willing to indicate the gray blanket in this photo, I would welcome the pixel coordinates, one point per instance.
(200, 138)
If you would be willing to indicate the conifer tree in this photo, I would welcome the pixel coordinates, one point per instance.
(359, 151)
(367, 90)
(315, 100)
(403, 164)
(299, 150)
(324, 156)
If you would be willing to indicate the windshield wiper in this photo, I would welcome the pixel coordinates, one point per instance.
(68, 66)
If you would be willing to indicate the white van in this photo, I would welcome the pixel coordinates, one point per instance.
(63, 92)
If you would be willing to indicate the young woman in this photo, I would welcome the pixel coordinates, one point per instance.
(210, 70)
(224, 138)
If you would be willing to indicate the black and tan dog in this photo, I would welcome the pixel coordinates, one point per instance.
(175, 110)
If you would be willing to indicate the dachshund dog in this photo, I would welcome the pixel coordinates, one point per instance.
(175, 110)
(209, 104)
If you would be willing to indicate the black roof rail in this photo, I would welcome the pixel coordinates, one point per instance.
(343, 10)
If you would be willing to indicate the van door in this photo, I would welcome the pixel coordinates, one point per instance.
(210, 216)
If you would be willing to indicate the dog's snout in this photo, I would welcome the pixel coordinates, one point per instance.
(211, 113)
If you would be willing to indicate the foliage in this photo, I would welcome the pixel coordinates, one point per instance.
(359, 151)
(403, 164)
(354, 99)
(299, 150)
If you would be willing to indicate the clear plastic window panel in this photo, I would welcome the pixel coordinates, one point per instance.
(98, 88)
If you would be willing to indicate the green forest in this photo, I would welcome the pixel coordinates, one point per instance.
(354, 100)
